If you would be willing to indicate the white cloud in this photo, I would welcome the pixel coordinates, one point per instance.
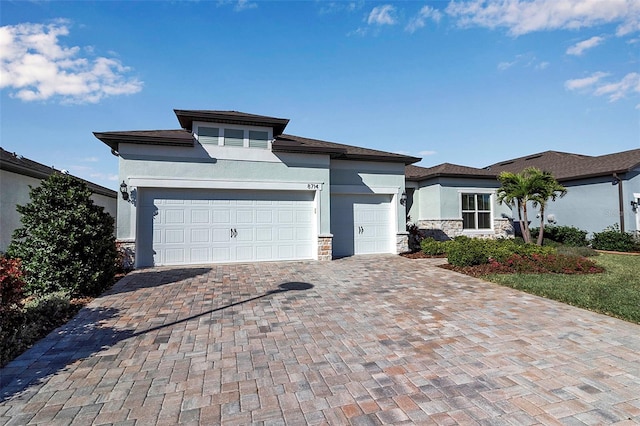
(244, 5)
(629, 85)
(582, 83)
(526, 16)
(90, 160)
(332, 7)
(526, 60)
(427, 153)
(382, 15)
(419, 21)
(579, 48)
(37, 67)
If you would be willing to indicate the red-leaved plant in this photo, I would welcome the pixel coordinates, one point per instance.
(11, 285)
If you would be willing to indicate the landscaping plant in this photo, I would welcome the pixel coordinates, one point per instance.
(613, 239)
(66, 242)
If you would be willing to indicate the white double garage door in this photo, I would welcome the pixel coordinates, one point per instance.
(193, 226)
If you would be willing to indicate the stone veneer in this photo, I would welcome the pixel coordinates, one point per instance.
(402, 242)
(127, 253)
(325, 247)
(442, 230)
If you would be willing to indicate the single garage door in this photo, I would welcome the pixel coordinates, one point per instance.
(202, 226)
(361, 224)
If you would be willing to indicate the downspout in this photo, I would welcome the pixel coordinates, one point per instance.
(620, 200)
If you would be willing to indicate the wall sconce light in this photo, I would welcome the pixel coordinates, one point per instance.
(123, 191)
(634, 205)
(403, 198)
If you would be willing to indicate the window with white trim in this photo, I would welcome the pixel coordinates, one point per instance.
(234, 137)
(476, 211)
(258, 139)
(208, 135)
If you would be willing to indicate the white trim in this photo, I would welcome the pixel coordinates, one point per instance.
(491, 210)
(223, 184)
(222, 126)
(363, 189)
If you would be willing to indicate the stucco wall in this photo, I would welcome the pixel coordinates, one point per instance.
(593, 204)
(217, 167)
(371, 177)
(14, 188)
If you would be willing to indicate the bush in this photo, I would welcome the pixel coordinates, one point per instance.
(566, 235)
(11, 286)
(465, 251)
(576, 251)
(613, 239)
(432, 247)
(548, 263)
(66, 242)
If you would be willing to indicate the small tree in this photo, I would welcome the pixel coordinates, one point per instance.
(66, 241)
(530, 185)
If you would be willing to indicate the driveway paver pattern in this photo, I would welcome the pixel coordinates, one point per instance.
(365, 341)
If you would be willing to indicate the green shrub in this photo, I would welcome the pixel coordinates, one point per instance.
(613, 239)
(546, 263)
(465, 251)
(66, 242)
(567, 235)
(433, 247)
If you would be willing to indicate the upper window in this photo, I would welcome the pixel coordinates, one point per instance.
(234, 137)
(258, 139)
(208, 135)
(476, 211)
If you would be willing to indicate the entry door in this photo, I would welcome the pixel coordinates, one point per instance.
(361, 224)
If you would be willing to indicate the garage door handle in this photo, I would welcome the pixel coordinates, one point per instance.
(234, 233)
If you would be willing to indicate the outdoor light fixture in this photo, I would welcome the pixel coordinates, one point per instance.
(123, 191)
(634, 205)
(403, 198)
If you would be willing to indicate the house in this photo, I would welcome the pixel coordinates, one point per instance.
(16, 175)
(601, 190)
(233, 187)
(448, 200)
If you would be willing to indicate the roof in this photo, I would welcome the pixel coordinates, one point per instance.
(187, 117)
(291, 143)
(568, 166)
(417, 173)
(282, 143)
(15, 163)
(178, 137)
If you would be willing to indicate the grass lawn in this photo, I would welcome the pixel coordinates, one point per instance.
(615, 292)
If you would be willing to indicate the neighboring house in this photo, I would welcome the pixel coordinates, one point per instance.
(231, 186)
(601, 190)
(16, 175)
(450, 200)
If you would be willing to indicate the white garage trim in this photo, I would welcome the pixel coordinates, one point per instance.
(225, 184)
(196, 226)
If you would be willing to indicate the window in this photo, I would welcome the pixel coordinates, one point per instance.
(476, 211)
(258, 139)
(234, 137)
(208, 135)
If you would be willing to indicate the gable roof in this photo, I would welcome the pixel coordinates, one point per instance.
(567, 166)
(14, 163)
(417, 173)
(187, 117)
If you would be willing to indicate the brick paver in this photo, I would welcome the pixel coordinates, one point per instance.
(364, 340)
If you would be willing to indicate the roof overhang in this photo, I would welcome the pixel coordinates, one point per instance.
(168, 138)
(187, 117)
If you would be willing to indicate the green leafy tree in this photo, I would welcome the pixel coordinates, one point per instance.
(546, 188)
(531, 185)
(66, 242)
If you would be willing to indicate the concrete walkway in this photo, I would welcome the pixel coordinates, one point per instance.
(363, 341)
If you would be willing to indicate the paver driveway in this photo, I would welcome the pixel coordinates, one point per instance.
(364, 340)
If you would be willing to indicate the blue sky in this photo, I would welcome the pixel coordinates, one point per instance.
(467, 82)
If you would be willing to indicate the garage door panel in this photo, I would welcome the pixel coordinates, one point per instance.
(201, 226)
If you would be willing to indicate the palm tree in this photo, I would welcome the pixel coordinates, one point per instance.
(515, 192)
(531, 185)
(547, 187)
